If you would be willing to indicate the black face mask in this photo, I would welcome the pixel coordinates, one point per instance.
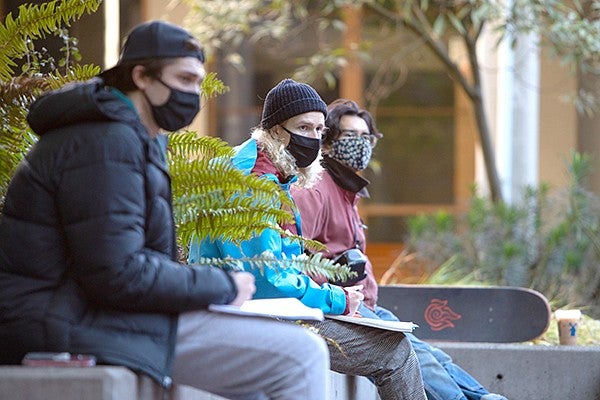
(304, 149)
(179, 110)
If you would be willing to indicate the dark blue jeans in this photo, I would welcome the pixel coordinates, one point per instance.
(443, 379)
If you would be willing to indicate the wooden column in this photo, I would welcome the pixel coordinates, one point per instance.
(465, 133)
(588, 132)
(351, 78)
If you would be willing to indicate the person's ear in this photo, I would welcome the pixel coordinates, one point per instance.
(280, 134)
(277, 131)
(139, 77)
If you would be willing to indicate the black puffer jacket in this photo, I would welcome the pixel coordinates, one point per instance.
(87, 244)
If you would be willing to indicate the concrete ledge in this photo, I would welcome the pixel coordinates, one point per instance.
(95, 383)
(518, 371)
(530, 372)
(119, 383)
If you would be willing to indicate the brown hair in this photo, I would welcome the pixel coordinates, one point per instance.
(120, 76)
(285, 163)
(336, 110)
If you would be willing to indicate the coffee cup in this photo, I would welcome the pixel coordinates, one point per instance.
(568, 325)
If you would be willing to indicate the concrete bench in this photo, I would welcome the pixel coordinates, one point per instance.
(531, 372)
(94, 383)
(519, 371)
(119, 383)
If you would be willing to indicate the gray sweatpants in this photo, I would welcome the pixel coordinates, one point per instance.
(250, 357)
(384, 356)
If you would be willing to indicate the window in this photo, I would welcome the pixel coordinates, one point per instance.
(416, 153)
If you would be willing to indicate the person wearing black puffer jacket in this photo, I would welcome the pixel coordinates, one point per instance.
(87, 241)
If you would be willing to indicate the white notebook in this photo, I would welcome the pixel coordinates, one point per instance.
(399, 326)
(284, 308)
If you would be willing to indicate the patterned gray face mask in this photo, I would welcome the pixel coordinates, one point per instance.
(353, 151)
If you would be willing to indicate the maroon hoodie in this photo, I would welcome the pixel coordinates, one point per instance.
(329, 214)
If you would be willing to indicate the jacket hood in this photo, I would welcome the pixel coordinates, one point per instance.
(245, 155)
(250, 159)
(77, 102)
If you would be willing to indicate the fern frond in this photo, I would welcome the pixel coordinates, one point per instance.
(184, 144)
(233, 224)
(315, 265)
(311, 244)
(35, 21)
(76, 73)
(198, 209)
(219, 181)
(226, 263)
(310, 265)
(204, 178)
(22, 90)
(225, 203)
(212, 86)
(213, 199)
(14, 143)
(15, 136)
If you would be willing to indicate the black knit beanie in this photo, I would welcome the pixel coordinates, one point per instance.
(288, 99)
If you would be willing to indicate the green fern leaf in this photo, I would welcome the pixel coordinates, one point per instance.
(76, 73)
(212, 86)
(216, 201)
(310, 265)
(33, 22)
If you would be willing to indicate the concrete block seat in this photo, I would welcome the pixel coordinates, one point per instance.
(531, 372)
(518, 371)
(93, 383)
(119, 383)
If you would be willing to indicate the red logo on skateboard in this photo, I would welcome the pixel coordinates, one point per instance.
(439, 316)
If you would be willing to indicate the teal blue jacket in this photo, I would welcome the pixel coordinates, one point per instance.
(283, 282)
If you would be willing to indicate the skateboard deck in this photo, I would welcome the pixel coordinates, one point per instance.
(498, 314)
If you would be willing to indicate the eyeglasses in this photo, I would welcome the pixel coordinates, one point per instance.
(352, 132)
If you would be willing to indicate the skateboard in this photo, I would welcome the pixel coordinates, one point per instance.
(498, 314)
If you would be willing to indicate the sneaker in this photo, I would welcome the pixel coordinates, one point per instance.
(493, 396)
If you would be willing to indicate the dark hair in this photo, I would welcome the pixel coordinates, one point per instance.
(192, 44)
(336, 110)
(119, 77)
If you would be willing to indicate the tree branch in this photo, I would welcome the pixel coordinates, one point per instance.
(436, 46)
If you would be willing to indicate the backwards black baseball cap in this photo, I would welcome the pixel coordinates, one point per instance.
(157, 39)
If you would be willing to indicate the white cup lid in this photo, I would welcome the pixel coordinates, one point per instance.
(567, 314)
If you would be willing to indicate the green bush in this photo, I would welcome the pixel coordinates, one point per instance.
(19, 86)
(548, 241)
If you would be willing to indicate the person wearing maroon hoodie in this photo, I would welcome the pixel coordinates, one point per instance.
(329, 213)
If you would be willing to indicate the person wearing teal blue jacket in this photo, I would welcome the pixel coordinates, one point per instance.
(285, 148)
(285, 282)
